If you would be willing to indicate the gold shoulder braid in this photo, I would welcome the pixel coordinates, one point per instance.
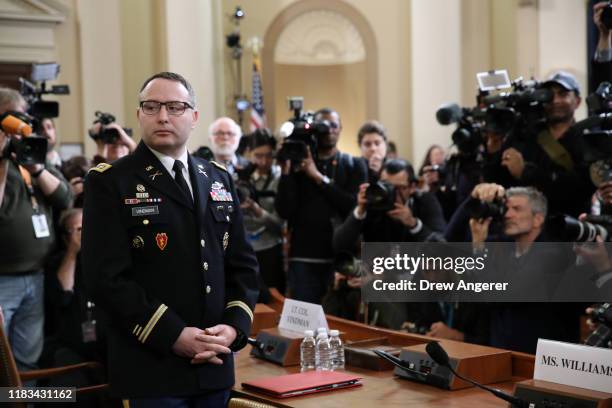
(222, 167)
(101, 168)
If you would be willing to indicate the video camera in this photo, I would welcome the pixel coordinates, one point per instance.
(602, 336)
(107, 135)
(597, 134)
(301, 132)
(468, 134)
(520, 111)
(32, 148)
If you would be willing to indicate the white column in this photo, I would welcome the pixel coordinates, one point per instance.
(436, 69)
(191, 40)
(562, 27)
(101, 62)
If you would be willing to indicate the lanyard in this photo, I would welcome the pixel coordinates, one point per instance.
(27, 178)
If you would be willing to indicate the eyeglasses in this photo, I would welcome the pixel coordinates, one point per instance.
(221, 133)
(174, 108)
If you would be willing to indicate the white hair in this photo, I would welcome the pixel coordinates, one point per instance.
(213, 126)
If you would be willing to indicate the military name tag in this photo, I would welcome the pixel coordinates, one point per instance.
(142, 211)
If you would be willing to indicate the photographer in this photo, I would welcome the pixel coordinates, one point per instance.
(74, 323)
(109, 149)
(372, 140)
(518, 326)
(309, 198)
(263, 225)
(412, 216)
(28, 196)
(550, 159)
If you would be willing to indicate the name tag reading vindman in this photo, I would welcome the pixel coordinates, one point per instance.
(574, 364)
(298, 316)
(41, 228)
(142, 211)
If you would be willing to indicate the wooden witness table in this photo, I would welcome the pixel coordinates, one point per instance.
(380, 388)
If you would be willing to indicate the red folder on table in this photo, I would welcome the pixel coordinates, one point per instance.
(293, 385)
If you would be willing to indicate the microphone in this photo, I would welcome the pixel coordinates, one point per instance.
(256, 344)
(10, 123)
(439, 355)
(449, 113)
(427, 378)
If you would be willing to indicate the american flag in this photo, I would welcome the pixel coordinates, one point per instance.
(258, 114)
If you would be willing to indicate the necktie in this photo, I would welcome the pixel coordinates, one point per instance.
(180, 180)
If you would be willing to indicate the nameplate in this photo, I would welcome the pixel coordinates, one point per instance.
(299, 316)
(574, 364)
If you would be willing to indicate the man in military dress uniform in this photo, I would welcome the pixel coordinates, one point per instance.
(166, 257)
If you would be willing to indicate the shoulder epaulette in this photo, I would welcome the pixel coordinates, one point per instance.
(101, 168)
(222, 167)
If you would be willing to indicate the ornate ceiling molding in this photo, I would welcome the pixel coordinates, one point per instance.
(319, 37)
(31, 11)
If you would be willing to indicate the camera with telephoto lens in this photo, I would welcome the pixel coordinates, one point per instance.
(381, 196)
(573, 230)
(480, 209)
(302, 132)
(107, 135)
(346, 264)
(602, 336)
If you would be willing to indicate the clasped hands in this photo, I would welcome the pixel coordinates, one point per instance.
(205, 346)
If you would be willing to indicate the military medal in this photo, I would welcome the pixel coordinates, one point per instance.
(162, 240)
(137, 242)
(140, 188)
(225, 241)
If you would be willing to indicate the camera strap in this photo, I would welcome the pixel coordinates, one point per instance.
(555, 150)
(27, 178)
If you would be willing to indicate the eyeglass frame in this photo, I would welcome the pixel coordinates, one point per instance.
(165, 104)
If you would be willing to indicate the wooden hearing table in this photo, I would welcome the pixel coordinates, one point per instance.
(380, 388)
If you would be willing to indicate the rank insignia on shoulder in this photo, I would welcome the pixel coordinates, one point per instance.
(225, 241)
(222, 167)
(101, 168)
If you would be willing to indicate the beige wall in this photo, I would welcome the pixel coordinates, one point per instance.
(389, 20)
(107, 48)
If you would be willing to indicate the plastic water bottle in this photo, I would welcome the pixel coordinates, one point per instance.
(321, 330)
(324, 354)
(337, 350)
(308, 352)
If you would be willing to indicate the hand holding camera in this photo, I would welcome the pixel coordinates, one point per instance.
(485, 204)
(403, 214)
(362, 200)
(602, 16)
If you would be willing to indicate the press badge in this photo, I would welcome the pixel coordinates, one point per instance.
(41, 229)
